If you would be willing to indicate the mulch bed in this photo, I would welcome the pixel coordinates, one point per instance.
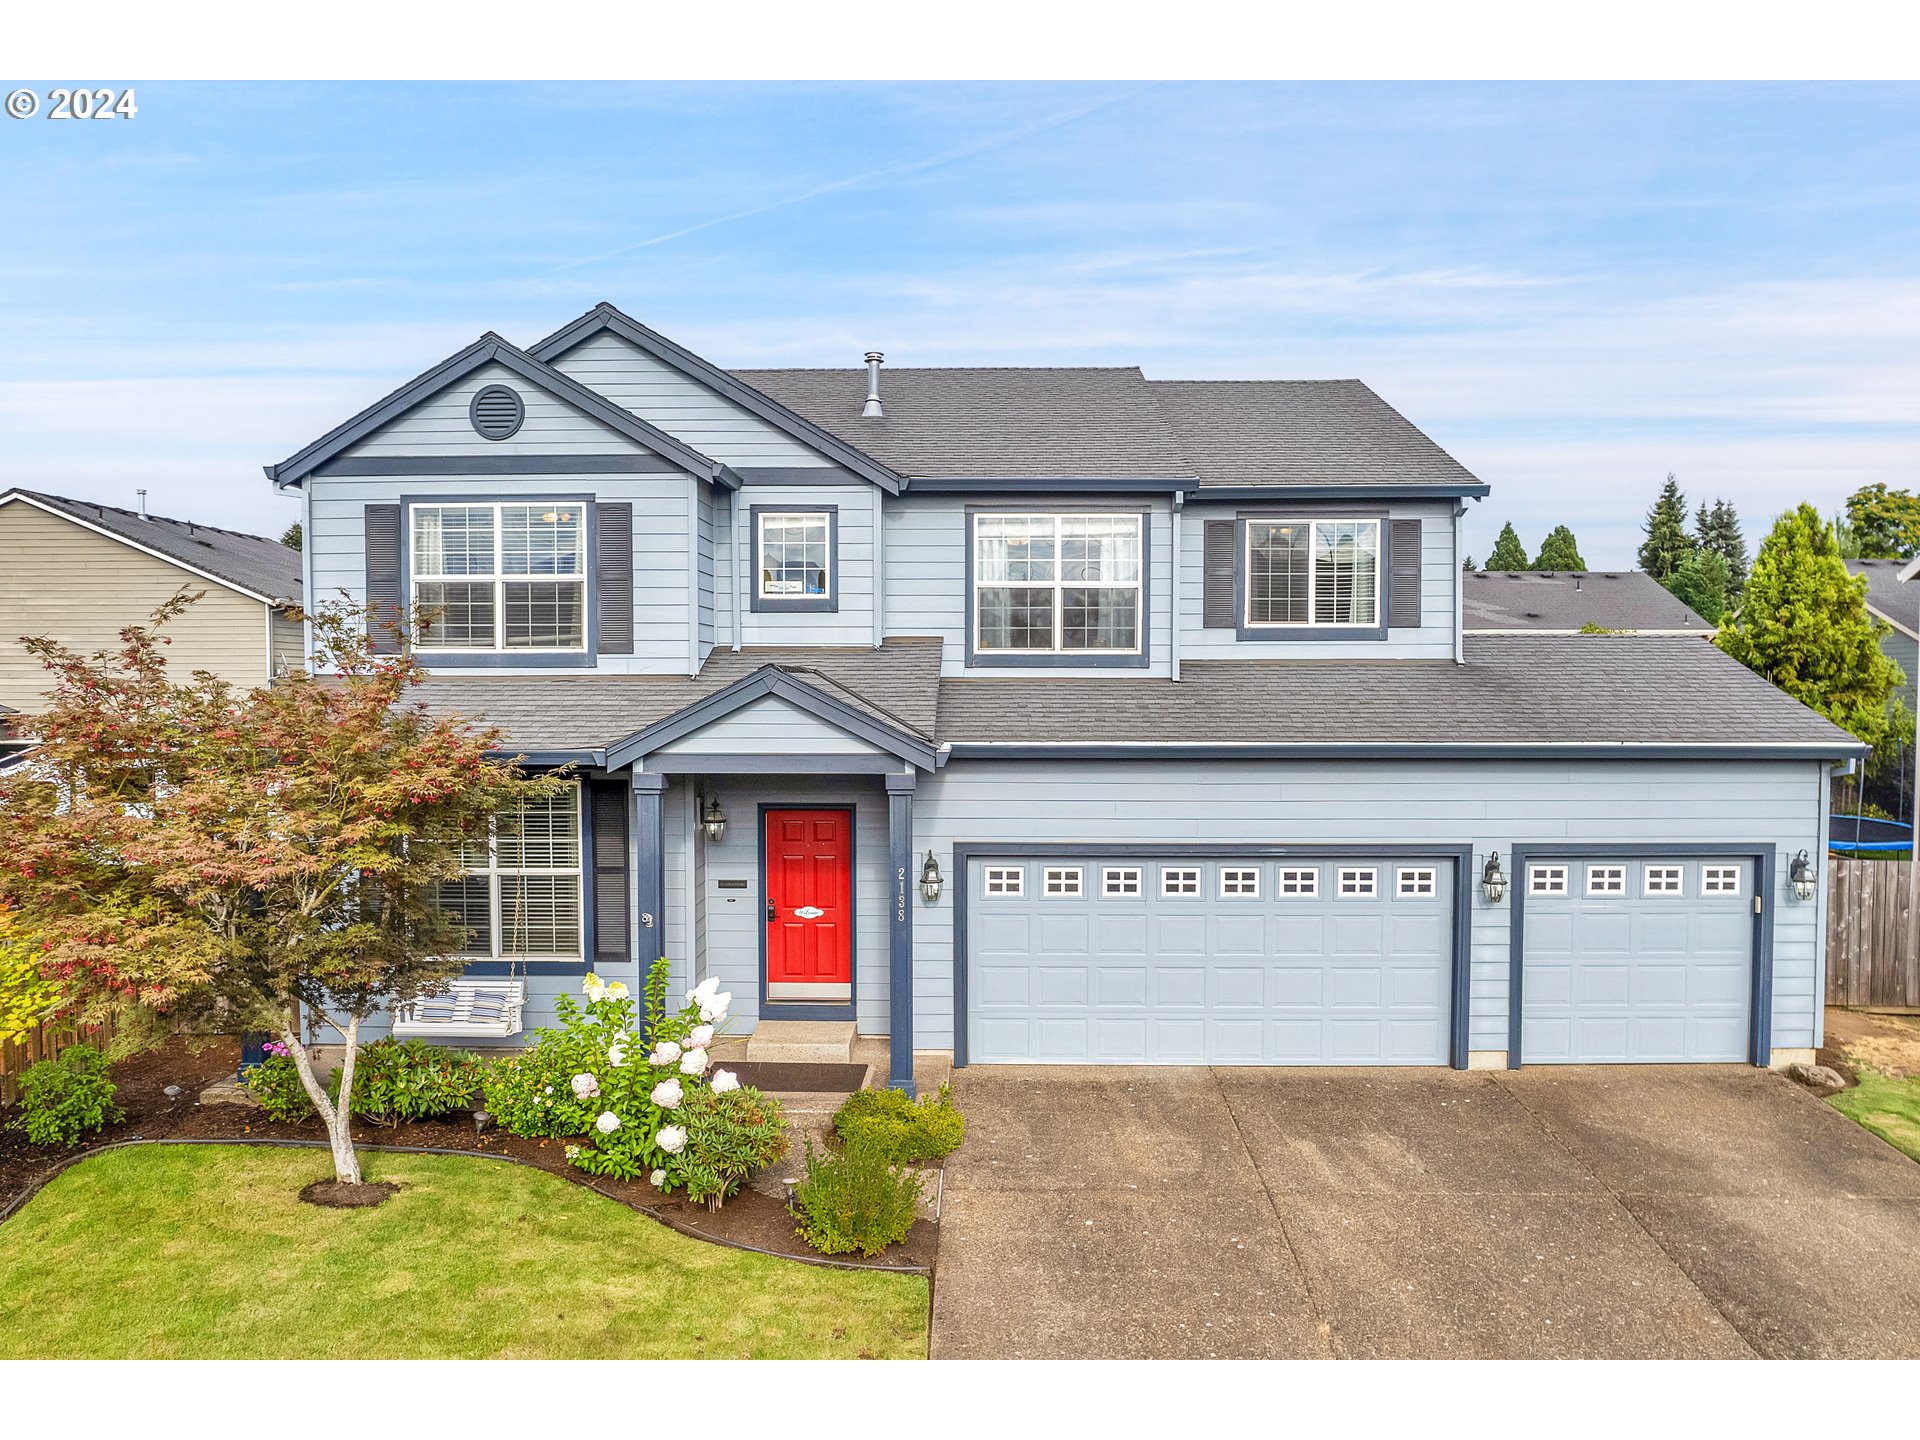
(749, 1220)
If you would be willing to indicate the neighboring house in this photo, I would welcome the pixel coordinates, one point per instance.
(1893, 596)
(1563, 602)
(1160, 689)
(81, 571)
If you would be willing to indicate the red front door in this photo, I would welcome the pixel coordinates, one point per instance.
(809, 893)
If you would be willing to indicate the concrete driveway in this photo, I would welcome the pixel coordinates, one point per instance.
(1619, 1212)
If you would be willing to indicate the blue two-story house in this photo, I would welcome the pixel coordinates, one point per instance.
(1063, 715)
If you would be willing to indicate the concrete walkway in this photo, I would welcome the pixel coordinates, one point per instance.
(1618, 1212)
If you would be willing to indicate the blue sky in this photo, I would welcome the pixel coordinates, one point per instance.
(1574, 288)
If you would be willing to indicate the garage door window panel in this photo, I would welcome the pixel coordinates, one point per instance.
(1720, 880)
(1547, 880)
(1239, 884)
(1177, 883)
(1006, 880)
(1359, 883)
(1120, 882)
(1304, 883)
(1061, 883)
(1665, 880)
(1417, 883)
(1606, 880)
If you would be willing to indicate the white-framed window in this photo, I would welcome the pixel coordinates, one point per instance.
(521, 895)
(1175, 882)
(1057, 584)
(1312, 573)
(1665, 879)
(1416, 880)
(1120, 880)
(501, 577)
(1720, 879)
(1546, 879)
(1006, 880)
(1358, 882)
(1239, 884)
(1299, 882)
(1606, 879)
(796, 554)
(1060, 881)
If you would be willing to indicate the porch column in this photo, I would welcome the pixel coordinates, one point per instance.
(900, 932)
(650, 868)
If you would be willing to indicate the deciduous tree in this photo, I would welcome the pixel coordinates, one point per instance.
(1885, 523)
(1804, 625)
(1701, 584)
(218, 858)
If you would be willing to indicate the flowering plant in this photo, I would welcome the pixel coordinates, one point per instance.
(639, 1095)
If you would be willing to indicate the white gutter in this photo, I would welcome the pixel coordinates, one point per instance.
(1173, 588)
(1459, 589)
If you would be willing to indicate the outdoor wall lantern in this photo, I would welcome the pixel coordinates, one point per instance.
(931, 880)
(1493, 881)
(715, 819)
(1800, 872)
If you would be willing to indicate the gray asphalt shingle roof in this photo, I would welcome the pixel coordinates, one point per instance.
(1113, 423)
(1523, 600)
(1597, 689)
(898, 683)
(989, 421)
(1887, 592)
(1299, 432)
(252, 562)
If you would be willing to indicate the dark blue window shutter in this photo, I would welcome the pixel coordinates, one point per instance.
(383, 576)
(1403, 573)
(607, 807)
(1218, 565)
(614, 580)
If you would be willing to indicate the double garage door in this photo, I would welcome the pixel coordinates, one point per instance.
(1346, 960)
(1202, 961)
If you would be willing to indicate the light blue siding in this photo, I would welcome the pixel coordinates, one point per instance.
(857, 513)
(926, 581)
(770, 726)
(1491, 805)
(439, 426)
(1904, 652)
(1438, 582)
(663, 623)
(682, 406)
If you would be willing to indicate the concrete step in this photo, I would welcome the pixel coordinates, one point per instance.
(818, 1041)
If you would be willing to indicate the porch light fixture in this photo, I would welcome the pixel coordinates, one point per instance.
(1493, 881)
(1800, 872)
(931, 880)
(715, 819)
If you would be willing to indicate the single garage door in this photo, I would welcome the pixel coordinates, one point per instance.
(1646, 961)
(1209, 961)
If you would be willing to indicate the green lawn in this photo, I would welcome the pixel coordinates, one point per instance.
(1888, 1107)
(205, 1251)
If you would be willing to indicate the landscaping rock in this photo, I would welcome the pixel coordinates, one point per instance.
(229, 1091)
(1816, 1077)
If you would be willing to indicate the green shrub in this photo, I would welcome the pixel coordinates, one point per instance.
(65, 1100)
(394, 1081)
(898, 1129)
(855, 1201)
(275, 1083)
(397, 1081)
(730, 1135)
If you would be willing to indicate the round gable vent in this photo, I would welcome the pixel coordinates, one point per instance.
(496, 411)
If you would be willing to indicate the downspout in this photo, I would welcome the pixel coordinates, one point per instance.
(1173, 588)
(879, 567)
(740, 546)
(1459, 590)
(693, 579)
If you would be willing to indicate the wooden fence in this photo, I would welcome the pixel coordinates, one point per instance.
(1872, 960)
(39, 1044)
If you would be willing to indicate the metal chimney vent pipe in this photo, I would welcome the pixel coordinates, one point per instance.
(143, 503)
(871, 410)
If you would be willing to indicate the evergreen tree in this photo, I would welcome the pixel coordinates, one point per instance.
(291, 539)
(1468, 565)
(1508, 552)
(1667, 542)
(1560, 552)
(1718, 530)
(1701, 584)
(1804, 625)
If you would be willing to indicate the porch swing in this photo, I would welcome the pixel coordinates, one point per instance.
(471, 1008)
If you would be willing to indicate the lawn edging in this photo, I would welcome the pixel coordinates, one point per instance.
(672, 1222)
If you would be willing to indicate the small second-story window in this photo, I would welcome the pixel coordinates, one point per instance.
(1313, 573)
(796, 555)
(501, 577)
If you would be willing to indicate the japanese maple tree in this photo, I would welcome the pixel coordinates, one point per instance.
(215, 858)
